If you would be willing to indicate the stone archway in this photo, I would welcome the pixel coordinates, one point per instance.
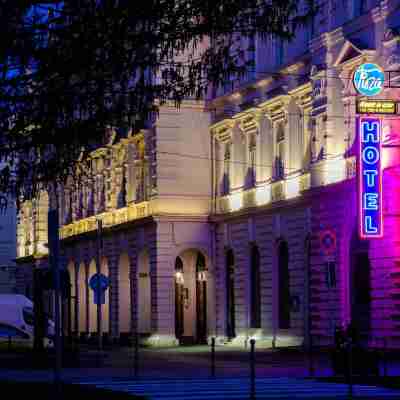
(144, 293)
(124, 295)
(283, 285)
(191, 297)
(71, 301)
(360, 285)
(230, 294)
(82, 299)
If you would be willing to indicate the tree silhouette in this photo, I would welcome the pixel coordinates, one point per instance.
(70, 69)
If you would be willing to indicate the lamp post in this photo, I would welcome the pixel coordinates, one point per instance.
(54, 248)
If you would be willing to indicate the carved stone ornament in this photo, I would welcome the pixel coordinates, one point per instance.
(110, 136)
(393, 61)
(390, 34)
(319, 86)
(314, 70)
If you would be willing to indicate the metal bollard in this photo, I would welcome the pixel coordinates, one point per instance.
(385, 367)
(350, 369)
(136, 356)
(311, 369)
(213, 357)
(252, 370)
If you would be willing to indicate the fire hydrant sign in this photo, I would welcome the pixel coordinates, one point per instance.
(370, 177)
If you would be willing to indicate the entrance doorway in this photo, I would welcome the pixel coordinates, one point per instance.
(201, 299)
(191, 298)
(179, 299)
(360, 284)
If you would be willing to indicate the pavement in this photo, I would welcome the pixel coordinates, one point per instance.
(185, 373)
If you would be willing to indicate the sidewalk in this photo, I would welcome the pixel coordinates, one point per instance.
(184, 362)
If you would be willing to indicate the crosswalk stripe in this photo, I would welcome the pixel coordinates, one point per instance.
(237, 388)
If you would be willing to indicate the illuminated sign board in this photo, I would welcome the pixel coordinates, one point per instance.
(376, 107)
(370, 177)
(368, 79)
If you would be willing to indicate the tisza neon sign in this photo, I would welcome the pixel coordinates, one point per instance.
(368, 79)
(370, 177)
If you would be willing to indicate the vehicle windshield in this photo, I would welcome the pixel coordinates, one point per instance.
(28, 315)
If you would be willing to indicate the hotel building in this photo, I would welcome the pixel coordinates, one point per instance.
(239, 217)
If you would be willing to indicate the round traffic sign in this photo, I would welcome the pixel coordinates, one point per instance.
(328, 241)
(99, 280)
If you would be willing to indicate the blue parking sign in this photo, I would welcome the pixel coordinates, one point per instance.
(99, 283)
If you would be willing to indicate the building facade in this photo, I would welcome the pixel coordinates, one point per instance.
(239, 217)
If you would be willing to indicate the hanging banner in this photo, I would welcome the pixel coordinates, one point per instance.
(370, 177)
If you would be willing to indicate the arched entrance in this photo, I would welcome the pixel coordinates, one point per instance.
(71, 327)
(124, 287)
(82, 292)
(283, 286)
(144, 294)
(191, 297)
(201, 298)
(255, 284)
(360, 285)
(230, 294)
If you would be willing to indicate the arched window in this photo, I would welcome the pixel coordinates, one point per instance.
(226, 185)
(360, 7)
(279, 163)
(230, 294)
(121, 199)
(251, 170)
(284, 286)
(255, 313)
(360, 288)
(201, 299)
(279, 51)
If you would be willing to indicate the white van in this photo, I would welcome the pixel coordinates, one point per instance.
(17, 319)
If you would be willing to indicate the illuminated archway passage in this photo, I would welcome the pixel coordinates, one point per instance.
(230, 294)
(284, 288)
(191, 297)
(255, 314)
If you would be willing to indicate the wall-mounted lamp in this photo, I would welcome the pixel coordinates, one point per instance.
(202, 276)
(179, 277)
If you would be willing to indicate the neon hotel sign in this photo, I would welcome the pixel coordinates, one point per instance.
(370, 177)
(368, 80)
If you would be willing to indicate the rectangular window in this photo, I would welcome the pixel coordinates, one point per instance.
(251, 58)
(279, 166)
(279, 52)
(227, 169)
(360, 7)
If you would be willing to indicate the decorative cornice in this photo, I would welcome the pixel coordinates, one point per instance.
(319, 42)
(391, 37)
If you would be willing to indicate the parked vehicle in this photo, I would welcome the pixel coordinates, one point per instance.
(17, 320)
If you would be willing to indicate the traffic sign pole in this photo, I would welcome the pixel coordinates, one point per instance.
(98, 289)
(53, 239)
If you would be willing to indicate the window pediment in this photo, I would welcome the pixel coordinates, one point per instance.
(351, 53)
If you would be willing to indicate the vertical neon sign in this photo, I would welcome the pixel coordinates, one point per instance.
(370, 177)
